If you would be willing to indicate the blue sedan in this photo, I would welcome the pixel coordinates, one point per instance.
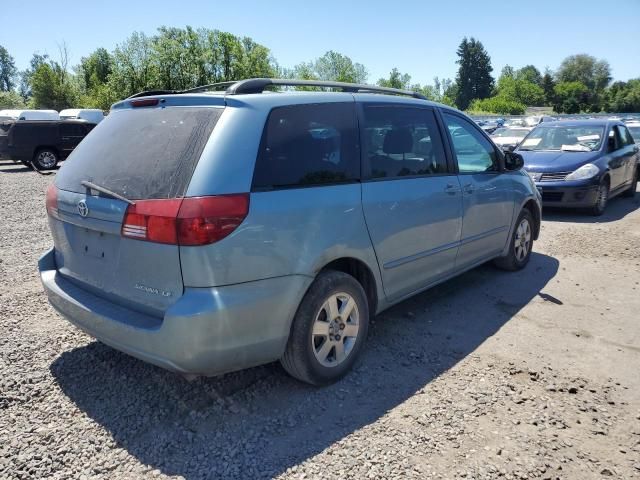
(581, 163)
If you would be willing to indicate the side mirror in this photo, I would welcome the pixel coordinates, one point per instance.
(513, 161)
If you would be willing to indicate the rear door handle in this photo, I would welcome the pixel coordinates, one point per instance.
(451, 189)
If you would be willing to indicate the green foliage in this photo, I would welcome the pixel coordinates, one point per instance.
(11, 99)
(518, 89)
(52, 87)
(624, 97)
(474, 78)
(8, 70)
(332, 66)
(594, 74)
(530, 74)
(548, 87)
(571, 97)
(497, 104)
(396, 80)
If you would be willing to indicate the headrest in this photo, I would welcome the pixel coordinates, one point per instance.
(398, 140)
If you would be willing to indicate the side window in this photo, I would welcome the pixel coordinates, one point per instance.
(72, 130)
(402, 141)
(625, 136)
(614, 140)
(306, 145)
(475, 154)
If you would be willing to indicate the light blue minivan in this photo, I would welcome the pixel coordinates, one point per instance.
(209, 231)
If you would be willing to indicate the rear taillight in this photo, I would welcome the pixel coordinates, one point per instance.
(52, 200)
(188, 221)
(146, 102)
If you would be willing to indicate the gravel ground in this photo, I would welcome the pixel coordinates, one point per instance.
(534, 374)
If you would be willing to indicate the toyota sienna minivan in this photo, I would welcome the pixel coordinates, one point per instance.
(210, 231)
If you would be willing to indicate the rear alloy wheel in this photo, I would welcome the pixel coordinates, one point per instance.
(602, 198)
(521, 244)
(329, 329)
(45, 159)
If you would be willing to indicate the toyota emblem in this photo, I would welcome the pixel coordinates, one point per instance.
(83, 210)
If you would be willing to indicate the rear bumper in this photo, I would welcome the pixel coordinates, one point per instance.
(208, 331)
(559, 194)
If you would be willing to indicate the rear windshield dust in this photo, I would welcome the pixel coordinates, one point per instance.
(141, 153)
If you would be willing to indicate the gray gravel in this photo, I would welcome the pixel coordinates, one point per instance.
(534, 374)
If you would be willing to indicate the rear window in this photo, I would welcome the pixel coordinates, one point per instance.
(141, 153)
(305, 145)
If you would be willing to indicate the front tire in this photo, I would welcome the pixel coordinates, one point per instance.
(521, 244)
(602, 198)
(329, 329)
(45, 159)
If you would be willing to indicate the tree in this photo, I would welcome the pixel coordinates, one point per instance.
(530, 74)
(335, 66)
(548, 86)
(396, 80)
(571, 97)
(52, 86)
(594, 74)
(95, 68)
(24, 88)
(8, 70)
(520, 90)
(587, 70)
(474, 78)
(10, 100)
(624, 97)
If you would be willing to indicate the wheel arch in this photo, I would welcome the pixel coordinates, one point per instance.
(534, 209)
(362, 273)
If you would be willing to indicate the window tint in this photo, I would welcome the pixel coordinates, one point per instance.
(141, 153)
(402, 141)
(473, 151)
(625, 137)
(72, 130)
(308, 145)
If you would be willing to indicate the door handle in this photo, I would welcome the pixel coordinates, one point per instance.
(451, 189)
(469, 188)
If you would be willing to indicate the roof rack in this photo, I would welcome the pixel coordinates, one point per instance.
(258, 85)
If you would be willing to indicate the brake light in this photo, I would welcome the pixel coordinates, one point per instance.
(188, 221)
(52, 200)
(147, 102)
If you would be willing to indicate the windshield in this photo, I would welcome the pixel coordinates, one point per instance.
(635, 133)
(569, 139)
(509, 132)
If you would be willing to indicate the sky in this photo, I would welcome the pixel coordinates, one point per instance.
(417, 37)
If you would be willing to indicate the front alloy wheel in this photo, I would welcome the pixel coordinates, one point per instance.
(521, 244)
(522, 241)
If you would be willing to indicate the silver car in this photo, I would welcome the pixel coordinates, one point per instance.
(212, 231)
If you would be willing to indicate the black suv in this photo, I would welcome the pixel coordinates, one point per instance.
(41, 142)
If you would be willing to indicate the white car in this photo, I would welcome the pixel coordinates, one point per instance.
(91, 115)
(29, 115)
(507, 138)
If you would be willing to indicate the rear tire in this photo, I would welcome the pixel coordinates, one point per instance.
(45, 159)
(602, 198)
(520, 246)
(631, 191)
(329, 329)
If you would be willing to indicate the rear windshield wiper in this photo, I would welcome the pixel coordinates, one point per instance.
(106, 191)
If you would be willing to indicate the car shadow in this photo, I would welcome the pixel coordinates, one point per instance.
(260, 422)
(617, 208)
